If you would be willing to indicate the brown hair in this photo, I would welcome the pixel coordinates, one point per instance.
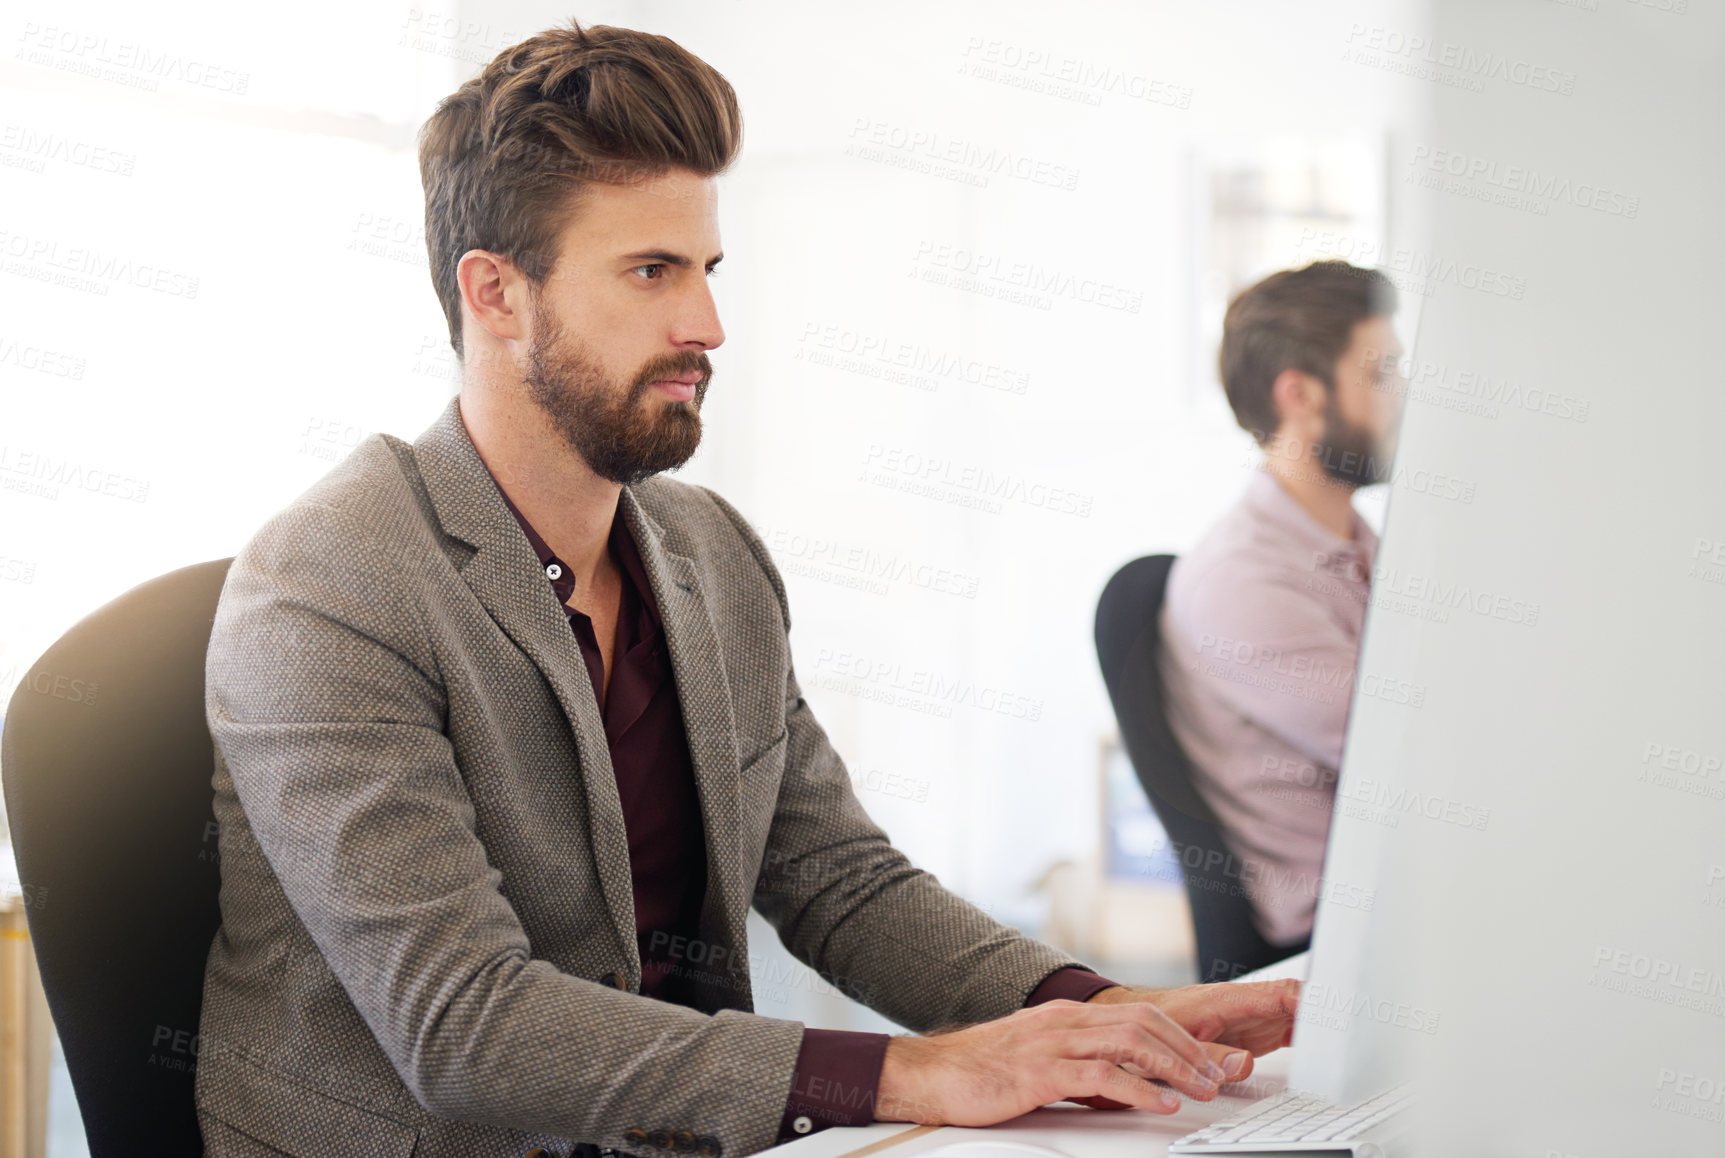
(505, 157)
(1296, 319)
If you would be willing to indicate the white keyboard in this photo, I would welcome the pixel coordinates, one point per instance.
(1295, 1123)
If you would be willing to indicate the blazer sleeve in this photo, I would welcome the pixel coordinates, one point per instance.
(325, 702)
(853, 908)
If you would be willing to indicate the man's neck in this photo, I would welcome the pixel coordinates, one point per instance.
(1327, 500)
(571, 507)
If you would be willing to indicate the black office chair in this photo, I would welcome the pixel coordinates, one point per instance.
(107, 759)
(1128, 635)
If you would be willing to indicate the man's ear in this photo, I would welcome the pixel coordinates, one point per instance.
(1295, 395)
(484, 279)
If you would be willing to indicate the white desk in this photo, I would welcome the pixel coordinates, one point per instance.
(1072, 1129)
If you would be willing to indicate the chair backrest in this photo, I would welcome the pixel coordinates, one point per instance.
(107, 760)
(1128, 637)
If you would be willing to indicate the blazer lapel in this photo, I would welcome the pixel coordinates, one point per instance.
(708, 718)
(504, 574)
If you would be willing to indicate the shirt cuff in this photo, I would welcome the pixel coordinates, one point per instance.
(837, 1076)
(1069, 983)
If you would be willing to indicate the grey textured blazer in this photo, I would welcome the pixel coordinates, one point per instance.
(428, 938)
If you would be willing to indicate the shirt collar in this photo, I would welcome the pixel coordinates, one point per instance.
(620, 543)
(1276, 509)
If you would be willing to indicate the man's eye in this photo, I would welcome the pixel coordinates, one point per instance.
(655, 267)
(712, 271)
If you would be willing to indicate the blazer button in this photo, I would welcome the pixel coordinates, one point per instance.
(614, 980)
(708, 1146)
(536, 1152)
(683, 1140)
(661, 1139)
(635, 1136)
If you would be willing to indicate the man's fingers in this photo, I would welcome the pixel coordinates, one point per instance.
(1158, 1024)
(1227, 1010)
(1098, 1078)
(1265, 998)
(1236, 1063)
(1141, 1054)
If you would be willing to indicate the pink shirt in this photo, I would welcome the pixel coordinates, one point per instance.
(1261, 635)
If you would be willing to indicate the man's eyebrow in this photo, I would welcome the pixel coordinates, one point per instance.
(666, 257)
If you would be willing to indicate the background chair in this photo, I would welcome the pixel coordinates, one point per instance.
(107, 760)
(1128, 636)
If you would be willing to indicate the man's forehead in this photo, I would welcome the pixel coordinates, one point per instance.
(675, 201)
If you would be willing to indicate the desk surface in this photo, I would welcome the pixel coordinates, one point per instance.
(1075, 1130)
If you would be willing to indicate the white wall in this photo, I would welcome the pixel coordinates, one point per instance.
(296, 206)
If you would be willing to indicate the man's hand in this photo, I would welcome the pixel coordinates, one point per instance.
(1228, 1017)
(1052, 1052)
(1251, 1015)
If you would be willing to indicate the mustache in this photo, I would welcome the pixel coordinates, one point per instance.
(674, 366)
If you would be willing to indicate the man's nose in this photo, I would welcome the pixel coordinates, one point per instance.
(699, 322)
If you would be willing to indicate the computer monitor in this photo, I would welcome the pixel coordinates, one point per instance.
(1535, 842)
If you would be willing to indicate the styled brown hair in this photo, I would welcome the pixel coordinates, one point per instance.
(1295, 319)
(506, 156)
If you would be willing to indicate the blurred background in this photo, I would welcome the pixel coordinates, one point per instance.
(976, 262)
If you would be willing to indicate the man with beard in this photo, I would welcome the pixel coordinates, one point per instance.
(509, 739)
(1261, 622)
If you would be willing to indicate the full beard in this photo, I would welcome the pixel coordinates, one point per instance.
(620, 433)
(1349, 454)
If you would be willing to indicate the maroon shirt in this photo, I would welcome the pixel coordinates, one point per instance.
(838, 1071)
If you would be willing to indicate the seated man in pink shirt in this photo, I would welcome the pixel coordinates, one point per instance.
(1261, 623)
